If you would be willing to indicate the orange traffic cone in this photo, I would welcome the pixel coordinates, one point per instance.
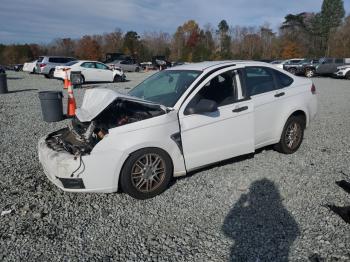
(71, 105)
(66, 81)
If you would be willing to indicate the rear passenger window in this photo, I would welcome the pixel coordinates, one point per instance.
(282, 79)
(88, 65)
(101, 66)
(327, 61)
(54, 60)
(259, 80)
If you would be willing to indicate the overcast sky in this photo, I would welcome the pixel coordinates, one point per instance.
(40, 21)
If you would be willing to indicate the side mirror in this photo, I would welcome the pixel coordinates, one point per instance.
(203, 106)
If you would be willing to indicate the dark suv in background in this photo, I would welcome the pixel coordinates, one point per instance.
(46, 64)
(305, 67)
(328, 66)
(290, 65)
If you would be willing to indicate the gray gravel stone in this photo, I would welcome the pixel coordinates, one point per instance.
(267, 206)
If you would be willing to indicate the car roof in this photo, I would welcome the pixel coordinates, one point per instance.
(209, 65)
(89, 61)
(56, 56)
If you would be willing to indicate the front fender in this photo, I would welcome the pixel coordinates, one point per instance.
(125, 143)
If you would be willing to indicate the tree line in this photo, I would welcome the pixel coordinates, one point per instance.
(326, 33)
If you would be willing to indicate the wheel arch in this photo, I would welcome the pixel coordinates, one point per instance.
(302, 115)
(296, 112)
(137, 150)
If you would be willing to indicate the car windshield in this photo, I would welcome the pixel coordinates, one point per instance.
(71, 63)
(165, 87)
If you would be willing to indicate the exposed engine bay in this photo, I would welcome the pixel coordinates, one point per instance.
(79, 138)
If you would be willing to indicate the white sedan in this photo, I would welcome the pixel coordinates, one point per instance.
(176, 121)
(91, 71)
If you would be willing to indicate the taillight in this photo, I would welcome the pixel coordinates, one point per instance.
(313, 89)
(42, 65)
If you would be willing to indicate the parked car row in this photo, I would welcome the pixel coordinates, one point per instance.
(91, 71)
(337, 67)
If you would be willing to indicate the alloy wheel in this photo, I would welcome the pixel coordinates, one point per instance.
(309, 73)
(293, 135)
(148, 172)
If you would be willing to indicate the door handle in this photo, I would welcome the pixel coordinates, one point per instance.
(240, 109)
(280, 94)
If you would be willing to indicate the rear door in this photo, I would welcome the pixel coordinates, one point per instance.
(325, 67)
(89, 71)
(219, 135)
(260, 85)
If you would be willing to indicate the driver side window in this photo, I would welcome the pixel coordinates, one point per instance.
(222, 89)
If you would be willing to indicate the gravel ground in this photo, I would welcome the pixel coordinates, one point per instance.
(249, 208)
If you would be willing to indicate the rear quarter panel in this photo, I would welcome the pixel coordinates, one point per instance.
(299, 98)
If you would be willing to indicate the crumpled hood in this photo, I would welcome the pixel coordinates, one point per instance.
(96, 100)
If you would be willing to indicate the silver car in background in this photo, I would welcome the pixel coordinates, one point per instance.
(126, 65)
(46, 64)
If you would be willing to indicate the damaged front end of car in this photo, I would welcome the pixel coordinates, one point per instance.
(65, 153)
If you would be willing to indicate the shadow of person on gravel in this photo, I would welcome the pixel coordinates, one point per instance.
(262, 229)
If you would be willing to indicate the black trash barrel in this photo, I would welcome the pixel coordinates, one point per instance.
(3, 83)
(51, 105)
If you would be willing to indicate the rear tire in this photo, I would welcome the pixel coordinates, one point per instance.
(51, 73)
(310, 73)
(292, 135)
(137, 69)
(146, 173)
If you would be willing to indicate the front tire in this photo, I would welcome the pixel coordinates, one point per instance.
(347, 76)
(293, 71)
(146, 173)
(292, 135)
(117, 78)
(82, 80)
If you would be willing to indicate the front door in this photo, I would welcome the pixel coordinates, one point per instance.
(223, 134)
